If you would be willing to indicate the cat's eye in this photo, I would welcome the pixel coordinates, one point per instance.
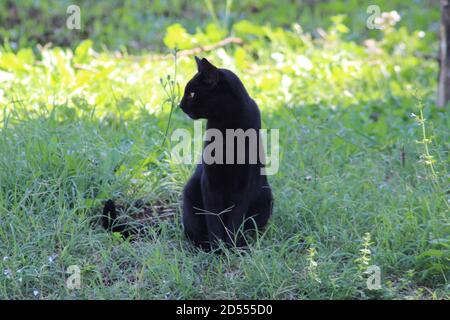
(191, 94)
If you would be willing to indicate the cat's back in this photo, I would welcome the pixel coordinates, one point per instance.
(236, 85)
(248, 104)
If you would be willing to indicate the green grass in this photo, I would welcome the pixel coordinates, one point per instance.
(79, 127)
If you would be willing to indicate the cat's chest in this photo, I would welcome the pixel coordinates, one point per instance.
(229, 176)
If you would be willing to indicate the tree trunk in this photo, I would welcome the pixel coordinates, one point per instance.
(444, 72)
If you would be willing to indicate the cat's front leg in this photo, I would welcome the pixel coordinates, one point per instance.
(234, 224)
(224, 221)
(214, 211)
(194, 222)
(214, 214)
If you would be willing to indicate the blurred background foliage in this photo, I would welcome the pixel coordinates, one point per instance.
(290, 47)
(140, 25)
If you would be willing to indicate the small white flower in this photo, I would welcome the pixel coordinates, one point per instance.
(5, 258)
(395, 16)
(7, 272)
(35, 292)
(304, 62)
(52, 258)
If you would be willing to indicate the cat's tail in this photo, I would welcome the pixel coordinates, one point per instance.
(109, 220)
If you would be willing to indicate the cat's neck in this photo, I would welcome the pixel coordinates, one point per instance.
(248, 118)
(222, 124)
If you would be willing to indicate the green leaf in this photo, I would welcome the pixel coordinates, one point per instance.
(177, 37)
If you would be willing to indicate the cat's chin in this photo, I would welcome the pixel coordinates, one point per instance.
(193, 117)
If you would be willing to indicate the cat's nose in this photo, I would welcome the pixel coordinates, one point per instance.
(181, 104)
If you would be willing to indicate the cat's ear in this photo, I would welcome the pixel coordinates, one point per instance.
(208, 70)
(199, 62)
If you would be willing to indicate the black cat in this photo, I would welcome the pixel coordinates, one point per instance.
(220, 200)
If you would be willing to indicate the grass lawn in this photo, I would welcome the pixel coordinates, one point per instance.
(355, 187)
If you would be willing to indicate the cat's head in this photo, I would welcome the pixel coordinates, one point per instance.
(209, 93)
